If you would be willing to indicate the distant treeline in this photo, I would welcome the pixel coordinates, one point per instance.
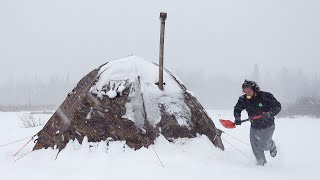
(35, 93)
(293, 88)
(17, 108)
(304, 106)
(222, 91)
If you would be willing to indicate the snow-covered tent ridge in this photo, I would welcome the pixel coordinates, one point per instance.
(120, 100)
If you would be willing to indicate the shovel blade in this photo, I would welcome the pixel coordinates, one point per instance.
(227, 123)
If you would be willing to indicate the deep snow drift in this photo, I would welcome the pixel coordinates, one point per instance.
(297, 140)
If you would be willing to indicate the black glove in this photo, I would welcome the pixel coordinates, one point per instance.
(266, 115)
(237, 121)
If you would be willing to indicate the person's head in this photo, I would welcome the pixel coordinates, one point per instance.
(250, 88)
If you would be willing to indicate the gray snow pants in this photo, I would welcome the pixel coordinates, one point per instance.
(261, 140)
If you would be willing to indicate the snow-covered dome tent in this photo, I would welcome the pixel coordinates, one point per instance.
(121, 100)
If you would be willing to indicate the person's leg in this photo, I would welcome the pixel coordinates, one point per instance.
(266, 141)
(265, 138)
(255, 136)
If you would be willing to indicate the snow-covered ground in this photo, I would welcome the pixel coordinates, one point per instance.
(297, 140)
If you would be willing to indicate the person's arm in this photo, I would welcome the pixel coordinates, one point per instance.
(275, 105)
(238, 109)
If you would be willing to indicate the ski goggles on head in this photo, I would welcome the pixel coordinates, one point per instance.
(248, 84)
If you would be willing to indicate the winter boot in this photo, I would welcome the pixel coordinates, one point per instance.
(261, 162)
(273, 151)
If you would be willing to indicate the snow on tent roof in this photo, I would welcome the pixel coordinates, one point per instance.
(121, 101)
(125, 71)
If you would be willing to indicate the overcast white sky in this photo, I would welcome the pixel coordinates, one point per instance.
(219, 37)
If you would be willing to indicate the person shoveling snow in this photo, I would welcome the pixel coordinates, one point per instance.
(261, 108)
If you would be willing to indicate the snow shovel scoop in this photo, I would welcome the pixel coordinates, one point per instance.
(230, 125)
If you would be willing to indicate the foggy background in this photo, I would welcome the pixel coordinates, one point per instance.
(46, 47)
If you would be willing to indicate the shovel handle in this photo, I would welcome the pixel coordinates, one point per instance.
(245, 120)
(253, 118)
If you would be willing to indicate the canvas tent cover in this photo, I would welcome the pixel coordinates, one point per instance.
(121, 100)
